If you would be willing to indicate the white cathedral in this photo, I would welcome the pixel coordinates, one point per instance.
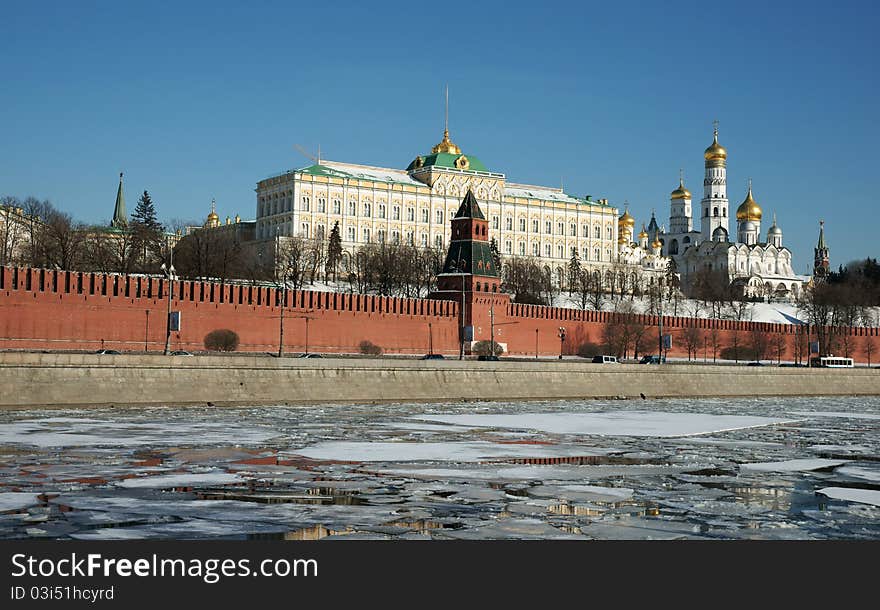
(753, 266)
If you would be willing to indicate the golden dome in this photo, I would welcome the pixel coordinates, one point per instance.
(749, 209)
(446, 145)
(621, 240)
(626, 220)
(715, 154)
(681, 192)
(656, 244)
(213, 220)
(644, 233)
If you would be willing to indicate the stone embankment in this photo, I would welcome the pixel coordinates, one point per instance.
(64, 380)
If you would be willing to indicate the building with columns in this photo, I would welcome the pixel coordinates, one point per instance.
(377, 204)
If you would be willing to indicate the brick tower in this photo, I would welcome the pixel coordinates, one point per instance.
(469, 276)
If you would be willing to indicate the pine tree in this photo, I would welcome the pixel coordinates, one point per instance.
(334, 250)
(146, 229)
(496, 255)
(574, 270)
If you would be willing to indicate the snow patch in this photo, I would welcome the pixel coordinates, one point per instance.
(793, 465)
(863, 496)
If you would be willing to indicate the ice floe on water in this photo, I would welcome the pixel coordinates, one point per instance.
(428, 451)
(11, 500)
(641, 469)
(182, 480)
(614, 423)
(864, 496)
(794, 465)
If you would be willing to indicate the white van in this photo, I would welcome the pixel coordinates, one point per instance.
(605, 360)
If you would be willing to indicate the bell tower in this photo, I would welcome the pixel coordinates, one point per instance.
(714, 205)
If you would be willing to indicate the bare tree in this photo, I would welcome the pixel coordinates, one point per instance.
(869, 347)
(759, 342)
(693, 337)
(779, 345)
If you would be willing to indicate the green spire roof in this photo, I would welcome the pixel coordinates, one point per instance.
(442, 159)
(469, 207)
(821, 244)
(120, 218)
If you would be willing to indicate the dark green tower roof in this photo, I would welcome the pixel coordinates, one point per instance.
(469, 207)
(120, 218)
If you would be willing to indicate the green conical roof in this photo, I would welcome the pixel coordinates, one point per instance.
(120, 218)
(469, 207)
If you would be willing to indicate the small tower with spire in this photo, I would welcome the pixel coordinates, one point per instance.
(821, 259)
(774, 234)
(680, 215)
(120, 218)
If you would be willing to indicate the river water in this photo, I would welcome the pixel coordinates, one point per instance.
(768, 468)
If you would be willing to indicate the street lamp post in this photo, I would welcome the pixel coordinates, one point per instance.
(430, 340)
(170, 277)
(536, 344)
(281, 325)
(561, 340)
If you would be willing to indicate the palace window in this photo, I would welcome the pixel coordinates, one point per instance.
(337, 206)
(395, 213)
(395, 237)
(305, 229)
(410, 214)
(596, 254)
(560, 251)
(548, 227)
(534, 226)
(410, 238)
(381, 210)
(608, 231)
(319, 232)
(508, 223)
(305, 204)
(522, 248)
(424, 240)
(322, 204)
(560, 228)
(366, 236)
(534, 249)
(495, 222)
(547, 250)
(522, 224)
(368, 209)
(573, 229)
(597, 232)
(381, 235)
(439, 216)
(508, 247)
(352, 208)
(351, 234)
(438, 241)
(424, 214)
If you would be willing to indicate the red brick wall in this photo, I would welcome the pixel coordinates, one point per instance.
(46, 309)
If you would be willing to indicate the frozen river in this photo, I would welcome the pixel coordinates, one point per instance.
(804, 468)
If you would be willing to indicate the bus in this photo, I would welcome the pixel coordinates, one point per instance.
(831, 362)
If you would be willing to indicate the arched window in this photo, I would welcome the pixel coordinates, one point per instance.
(368, 209)
(673, 247)
(381, 210)
(715, 211)
(352, 208)
(337, 206)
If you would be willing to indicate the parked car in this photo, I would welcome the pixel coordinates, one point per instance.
(651, 360)
(605, 360)
(181, 352)
(755, 364)
(311, 356)
(487, 357)
(433, 357)
(108, 352)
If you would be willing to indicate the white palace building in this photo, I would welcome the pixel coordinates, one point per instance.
(414, 205)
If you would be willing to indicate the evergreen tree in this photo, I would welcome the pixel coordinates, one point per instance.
(496, 255)
(146, 231)
(574, 271)
(334, 250)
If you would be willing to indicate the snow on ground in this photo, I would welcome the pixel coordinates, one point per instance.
(793, 465)
(182, 480)
(12, 500)
(614, 423)
(354, 451)
(864, 496)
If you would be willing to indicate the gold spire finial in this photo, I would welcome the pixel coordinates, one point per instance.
(213, 206)
(446, 121)
(446, 145)
(715, 124)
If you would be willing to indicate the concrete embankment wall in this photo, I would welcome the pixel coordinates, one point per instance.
(30, 380)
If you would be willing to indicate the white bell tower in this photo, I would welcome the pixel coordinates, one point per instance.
(714, 212)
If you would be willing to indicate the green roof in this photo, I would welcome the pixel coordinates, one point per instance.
(469, 256)
(448, 160)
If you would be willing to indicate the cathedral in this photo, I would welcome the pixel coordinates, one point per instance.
(755, 266)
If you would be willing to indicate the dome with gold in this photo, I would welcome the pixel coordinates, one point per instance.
(213, 220)
(716, 154)
(749, 209)
(626, 220)
(643, 234)
(680, 192)
(656, 244)
(446, 145)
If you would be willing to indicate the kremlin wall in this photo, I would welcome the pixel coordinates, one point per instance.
(58, 310)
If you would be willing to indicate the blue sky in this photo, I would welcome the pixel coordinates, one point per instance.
(202, 100)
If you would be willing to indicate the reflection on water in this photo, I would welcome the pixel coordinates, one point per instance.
(597, 486)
